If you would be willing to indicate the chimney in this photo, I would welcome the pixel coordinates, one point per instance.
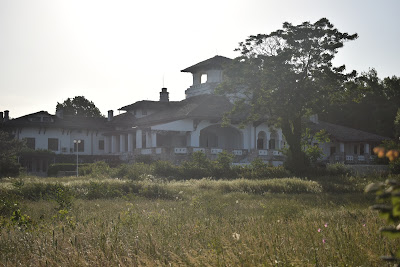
(6, 115)
(110, 115)
(164, 95)
(60, 113)
(1, 117)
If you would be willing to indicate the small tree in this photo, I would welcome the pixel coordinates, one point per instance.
(79, 106)
(9, 149)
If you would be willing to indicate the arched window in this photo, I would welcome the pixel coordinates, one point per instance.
(261, 140)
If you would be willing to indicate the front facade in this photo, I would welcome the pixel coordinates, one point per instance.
(172, 130)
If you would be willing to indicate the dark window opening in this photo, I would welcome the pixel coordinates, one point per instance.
(81, 146)
(30, 143)
(52, 144)
(101, 144)
(361, 149)
(333, 150)
(271, 144)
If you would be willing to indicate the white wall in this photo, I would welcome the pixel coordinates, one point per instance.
(181, 125)
(65, 139)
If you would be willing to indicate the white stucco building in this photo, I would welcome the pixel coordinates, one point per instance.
(171, 130)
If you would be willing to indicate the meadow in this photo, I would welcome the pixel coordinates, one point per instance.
(101, 221)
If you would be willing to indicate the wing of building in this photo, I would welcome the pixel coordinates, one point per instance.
(172, 130)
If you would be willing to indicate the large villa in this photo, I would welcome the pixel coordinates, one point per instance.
(172, 130)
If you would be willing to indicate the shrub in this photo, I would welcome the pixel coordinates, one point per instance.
(135, 171)
(165, 169)
(199, 166)
(65, 167)
(222, 167)
(97, 169)
(259, 170)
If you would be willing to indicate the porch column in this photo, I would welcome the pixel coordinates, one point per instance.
(122, 143)
(366, 149)
(138, 138)
(106, 144)
(113, 144)
(253, 137)
(130, 142)
(279, 141)
(148, 139)
(341, 147)
(195, 139)
(153, 139)
(268, 137)
(342, 155)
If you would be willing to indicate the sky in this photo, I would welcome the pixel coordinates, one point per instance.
(118, 52)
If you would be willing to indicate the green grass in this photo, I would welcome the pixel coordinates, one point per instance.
(200, 223)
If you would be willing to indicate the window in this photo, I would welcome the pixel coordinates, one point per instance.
(81, 146)
(101, 144)
(203, 78)
(271, 143)
(333, 150)
(361, 149)
(355, 149)
(30, 143)
(52, 144)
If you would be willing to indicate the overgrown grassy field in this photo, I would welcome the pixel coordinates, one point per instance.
(113, 222)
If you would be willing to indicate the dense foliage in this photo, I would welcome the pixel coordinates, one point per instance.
(9, 149)
(79, 106)
(376, 109)
(288, 75)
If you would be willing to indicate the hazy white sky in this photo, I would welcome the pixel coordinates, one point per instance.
(117, 52)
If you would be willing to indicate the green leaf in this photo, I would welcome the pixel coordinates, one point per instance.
(390, 232)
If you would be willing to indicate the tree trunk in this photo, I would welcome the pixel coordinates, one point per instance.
(296, 160)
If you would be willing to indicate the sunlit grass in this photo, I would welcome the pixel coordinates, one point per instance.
(205, 222)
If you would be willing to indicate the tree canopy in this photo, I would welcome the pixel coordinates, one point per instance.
(288, 75)
(376, 107)
(79, 106)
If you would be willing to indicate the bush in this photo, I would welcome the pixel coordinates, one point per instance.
(64, 167)
(135, 171)
(98, 169)
(165, 169)
(222, 167)
(259, 170)
(199, 166)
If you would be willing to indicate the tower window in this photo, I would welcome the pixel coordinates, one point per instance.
(203, 78)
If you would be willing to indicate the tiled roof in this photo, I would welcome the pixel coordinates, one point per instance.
(156, 105)
(346, 134)
(214, 62)
(208, 107)
(66, 122)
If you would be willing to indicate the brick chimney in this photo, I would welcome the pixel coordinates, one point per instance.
(110, 115)
(6, 115)
(164, 95)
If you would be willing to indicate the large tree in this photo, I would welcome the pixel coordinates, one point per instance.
(79, 106)
(288, 75)
(375, 109)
